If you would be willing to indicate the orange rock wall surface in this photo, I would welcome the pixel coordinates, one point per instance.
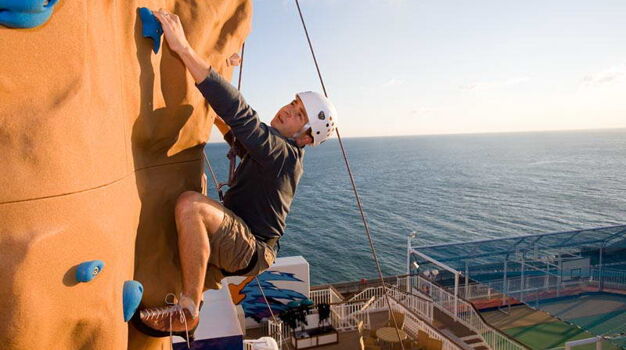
(98, 137)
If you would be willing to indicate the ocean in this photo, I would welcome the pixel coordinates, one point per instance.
(446, 188)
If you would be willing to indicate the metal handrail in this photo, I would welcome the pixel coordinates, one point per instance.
(413, 321)
(468, 316)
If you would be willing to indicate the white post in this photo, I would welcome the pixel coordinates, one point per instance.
(408, 263)
(601, 269)
(466, 281)
(523, 281)
(559, 278)
(505, 286)
(456, 296)
(546, 282)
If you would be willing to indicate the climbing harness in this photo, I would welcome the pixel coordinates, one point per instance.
(232, 152)
(354, 189)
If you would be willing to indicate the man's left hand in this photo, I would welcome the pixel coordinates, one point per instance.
(234, 60)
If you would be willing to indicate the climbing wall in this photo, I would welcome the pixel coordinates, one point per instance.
(98, 137)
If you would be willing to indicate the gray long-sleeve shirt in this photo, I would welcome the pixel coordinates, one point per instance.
(271, 166)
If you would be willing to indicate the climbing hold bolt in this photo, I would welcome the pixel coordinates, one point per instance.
(88, 270)
(133, 291)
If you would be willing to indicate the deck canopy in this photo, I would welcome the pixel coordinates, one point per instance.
(540, 247)
(541, 270)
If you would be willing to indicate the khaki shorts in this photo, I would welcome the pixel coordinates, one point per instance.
(232, 247)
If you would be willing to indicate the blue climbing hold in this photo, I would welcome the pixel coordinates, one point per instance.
(133, 291)
(151, 27)
(89, 270)
(25, 13)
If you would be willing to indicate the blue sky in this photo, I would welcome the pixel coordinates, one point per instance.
(407, 67)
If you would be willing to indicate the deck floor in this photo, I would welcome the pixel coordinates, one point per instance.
(347, 340)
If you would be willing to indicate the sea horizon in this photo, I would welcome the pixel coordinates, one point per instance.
(448, 188)
(616, 129)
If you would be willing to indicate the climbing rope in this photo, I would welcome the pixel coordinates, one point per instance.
(354, 189)
(218, 185)
(243, 50)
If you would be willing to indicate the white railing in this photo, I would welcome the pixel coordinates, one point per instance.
(278, 331)
(531, 288)
(413, 324)
(368, 293)
(424, 308)
(478, 291)
(581, 342)
(467, 315)
(325, 296)
(613, 279)
(343, 317)
(346, 316)
(320, 296)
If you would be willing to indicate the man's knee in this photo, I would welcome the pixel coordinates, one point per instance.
(195, 203)
(187, 202)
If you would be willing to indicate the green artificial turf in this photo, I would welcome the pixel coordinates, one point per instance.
(552, 335)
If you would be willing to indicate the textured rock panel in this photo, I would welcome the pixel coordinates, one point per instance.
(98, 136)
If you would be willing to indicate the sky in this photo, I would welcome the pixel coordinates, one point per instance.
(415, 67)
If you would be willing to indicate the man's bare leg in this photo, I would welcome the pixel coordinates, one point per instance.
(197, 217)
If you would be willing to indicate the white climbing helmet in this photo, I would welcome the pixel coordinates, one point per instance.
(322, 116)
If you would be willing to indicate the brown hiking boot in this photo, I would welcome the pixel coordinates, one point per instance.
(169, 320)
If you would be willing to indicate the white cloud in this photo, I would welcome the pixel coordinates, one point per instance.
(611, 75)
(516, 81)
(482, 85)
(390, 2)
(391, 83)
(420, 112)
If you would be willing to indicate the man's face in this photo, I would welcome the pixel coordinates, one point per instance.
(290, 119)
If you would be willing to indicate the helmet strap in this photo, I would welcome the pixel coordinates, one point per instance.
(302, 131)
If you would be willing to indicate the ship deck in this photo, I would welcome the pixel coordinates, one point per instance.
(347, 340)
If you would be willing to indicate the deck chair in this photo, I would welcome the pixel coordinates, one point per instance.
(434, 344)
(399, 316)
(365, 334)
(407, 343)
(365, 346)
(415, 345)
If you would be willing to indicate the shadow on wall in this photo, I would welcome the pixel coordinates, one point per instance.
(160, 178)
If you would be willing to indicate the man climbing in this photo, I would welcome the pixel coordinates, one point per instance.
(240, 236)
